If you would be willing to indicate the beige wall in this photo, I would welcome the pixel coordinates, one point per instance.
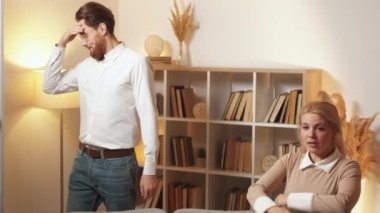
(340, 37)
(31, 134)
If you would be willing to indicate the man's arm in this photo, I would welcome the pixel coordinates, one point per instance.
(54, 81)
(144, 92)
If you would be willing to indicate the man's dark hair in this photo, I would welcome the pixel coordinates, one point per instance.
(94, 13)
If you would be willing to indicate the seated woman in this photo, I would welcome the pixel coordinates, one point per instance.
(322, 179)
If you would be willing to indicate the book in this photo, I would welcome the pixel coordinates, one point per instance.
(241, 107)
(299, 106)
(181, 110)
(178, 196)
(270, 110)
(222, 160)
(276, 113)
(231, 96)
(236, 104)
(232, 105)
(195, 197)
(292, 107)
(183, 151)
(247, 167)
(241, 156)
(173, 102)
(248, 107)
(230, 151)
(188, 101)
(236, 154)
(173, 99)
(175, 151)
(284, 110)
(172, 197)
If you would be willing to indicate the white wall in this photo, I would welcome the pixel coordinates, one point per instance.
(340, 37)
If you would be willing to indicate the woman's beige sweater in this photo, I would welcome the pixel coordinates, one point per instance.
(335, 191)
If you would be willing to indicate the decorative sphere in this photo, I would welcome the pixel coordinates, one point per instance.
(154, 45)
(199, 110)
(268, 162)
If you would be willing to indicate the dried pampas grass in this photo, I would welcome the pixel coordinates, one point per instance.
(360, 146)
(358, 138)
(181, 23)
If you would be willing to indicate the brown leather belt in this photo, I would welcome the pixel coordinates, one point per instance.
(105, 153)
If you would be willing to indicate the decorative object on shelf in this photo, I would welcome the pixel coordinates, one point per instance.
(201, 158)
(199, 110)
(160, 59)
(358, 138)
(268, 162)
(154, 45)
(182, 25)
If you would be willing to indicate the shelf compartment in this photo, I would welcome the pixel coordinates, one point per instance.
(195, 80)
(174, 129)
(266, 143)
(269, 86)
(219, 134)
(178, 182)
(221, 86)
(219, 186)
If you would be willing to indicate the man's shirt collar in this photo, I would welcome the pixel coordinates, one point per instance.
(114, 53)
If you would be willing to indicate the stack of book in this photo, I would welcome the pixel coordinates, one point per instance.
(182, 101)
(286, 147)
(285, 108)
(239, 106)
(236, 200)
(184, 195)
(237, 155)
(182, 149)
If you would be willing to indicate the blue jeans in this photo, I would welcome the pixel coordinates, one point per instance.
(110, 180)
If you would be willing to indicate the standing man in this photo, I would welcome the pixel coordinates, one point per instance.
(117, 99)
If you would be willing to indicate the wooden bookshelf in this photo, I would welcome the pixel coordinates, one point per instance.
(214, 86)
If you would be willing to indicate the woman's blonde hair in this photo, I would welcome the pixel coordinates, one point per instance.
(329, 112)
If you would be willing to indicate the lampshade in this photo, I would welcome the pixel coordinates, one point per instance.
(58, 101)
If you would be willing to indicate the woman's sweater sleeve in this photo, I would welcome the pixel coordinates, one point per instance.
(348, 192)
(268, 182)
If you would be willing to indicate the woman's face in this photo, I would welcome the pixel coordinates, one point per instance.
(317, 136)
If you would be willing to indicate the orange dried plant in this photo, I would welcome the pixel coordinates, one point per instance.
(181, 23)
(358, 138)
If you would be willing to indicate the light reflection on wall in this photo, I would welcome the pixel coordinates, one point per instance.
(30, 32)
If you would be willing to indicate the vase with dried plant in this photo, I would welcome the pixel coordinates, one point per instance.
(181, 24)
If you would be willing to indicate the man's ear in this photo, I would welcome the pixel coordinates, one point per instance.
(103, 29)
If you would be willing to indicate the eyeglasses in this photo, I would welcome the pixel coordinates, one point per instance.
(83, 36)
